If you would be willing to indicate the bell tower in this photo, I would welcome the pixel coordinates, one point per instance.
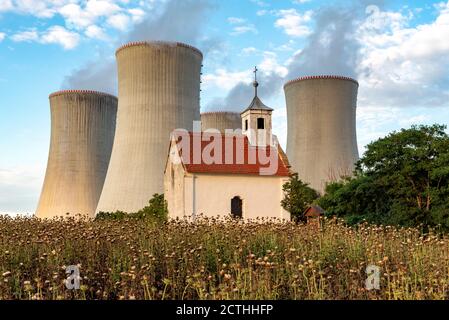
(256, 120)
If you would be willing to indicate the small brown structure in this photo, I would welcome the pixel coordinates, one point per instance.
(313, 214)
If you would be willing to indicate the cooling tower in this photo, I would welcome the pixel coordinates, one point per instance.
(159, 91)
(82, 134)
(221, 120)
(322, 142)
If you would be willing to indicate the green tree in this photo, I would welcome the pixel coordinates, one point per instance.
(298, 195)
(402, 179)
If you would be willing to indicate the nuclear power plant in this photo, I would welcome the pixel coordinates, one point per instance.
(82, 134)
(108, 156)
(221, 120)
(321, 120)
(158, 91)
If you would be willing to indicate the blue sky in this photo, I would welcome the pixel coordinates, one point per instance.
(398, 50)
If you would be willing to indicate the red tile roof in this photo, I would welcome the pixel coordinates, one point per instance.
(236, 165)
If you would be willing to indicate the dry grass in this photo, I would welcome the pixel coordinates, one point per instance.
(133, 259)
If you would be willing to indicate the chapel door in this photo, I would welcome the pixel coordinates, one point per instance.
(236, 208)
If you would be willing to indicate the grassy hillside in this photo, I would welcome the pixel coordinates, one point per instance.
(135, 259)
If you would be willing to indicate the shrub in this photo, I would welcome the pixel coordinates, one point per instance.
(156, 211)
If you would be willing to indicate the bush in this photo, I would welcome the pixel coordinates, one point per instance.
(118, 215)
(156, 211)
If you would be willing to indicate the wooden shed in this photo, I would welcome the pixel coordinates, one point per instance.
(313, 214)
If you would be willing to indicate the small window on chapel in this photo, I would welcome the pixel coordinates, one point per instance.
(260, 123)
(246, 124)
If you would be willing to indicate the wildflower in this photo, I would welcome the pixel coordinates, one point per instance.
(6, 274)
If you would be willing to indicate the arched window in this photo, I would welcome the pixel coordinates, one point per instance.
(236, 207)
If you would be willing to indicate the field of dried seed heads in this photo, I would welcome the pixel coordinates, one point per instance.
(135, 259)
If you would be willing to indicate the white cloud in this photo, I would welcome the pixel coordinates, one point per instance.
(2, 36)
(286, 46)
(241, 26)
(375, 122)
(225, 79)
(25, 36)
(401, 65)
(413, 120)
(249, 51)
(75, 16)
(99, 8)
(6, 5)
(49, 8)
(38, 8)
(119, 21)
(260, 3)
(234, 20)
(238, 30)
(59, 35)
(95, 32)
(137, 15)
(88, 17)
(79, 16)
(270, 65)
(294, 23)
(55, 34)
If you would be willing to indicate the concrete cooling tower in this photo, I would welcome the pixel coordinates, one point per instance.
(221, 120)
(82, 134)
(159, 91)
(322, 142)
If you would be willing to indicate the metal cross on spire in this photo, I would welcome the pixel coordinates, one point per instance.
(255, 83)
